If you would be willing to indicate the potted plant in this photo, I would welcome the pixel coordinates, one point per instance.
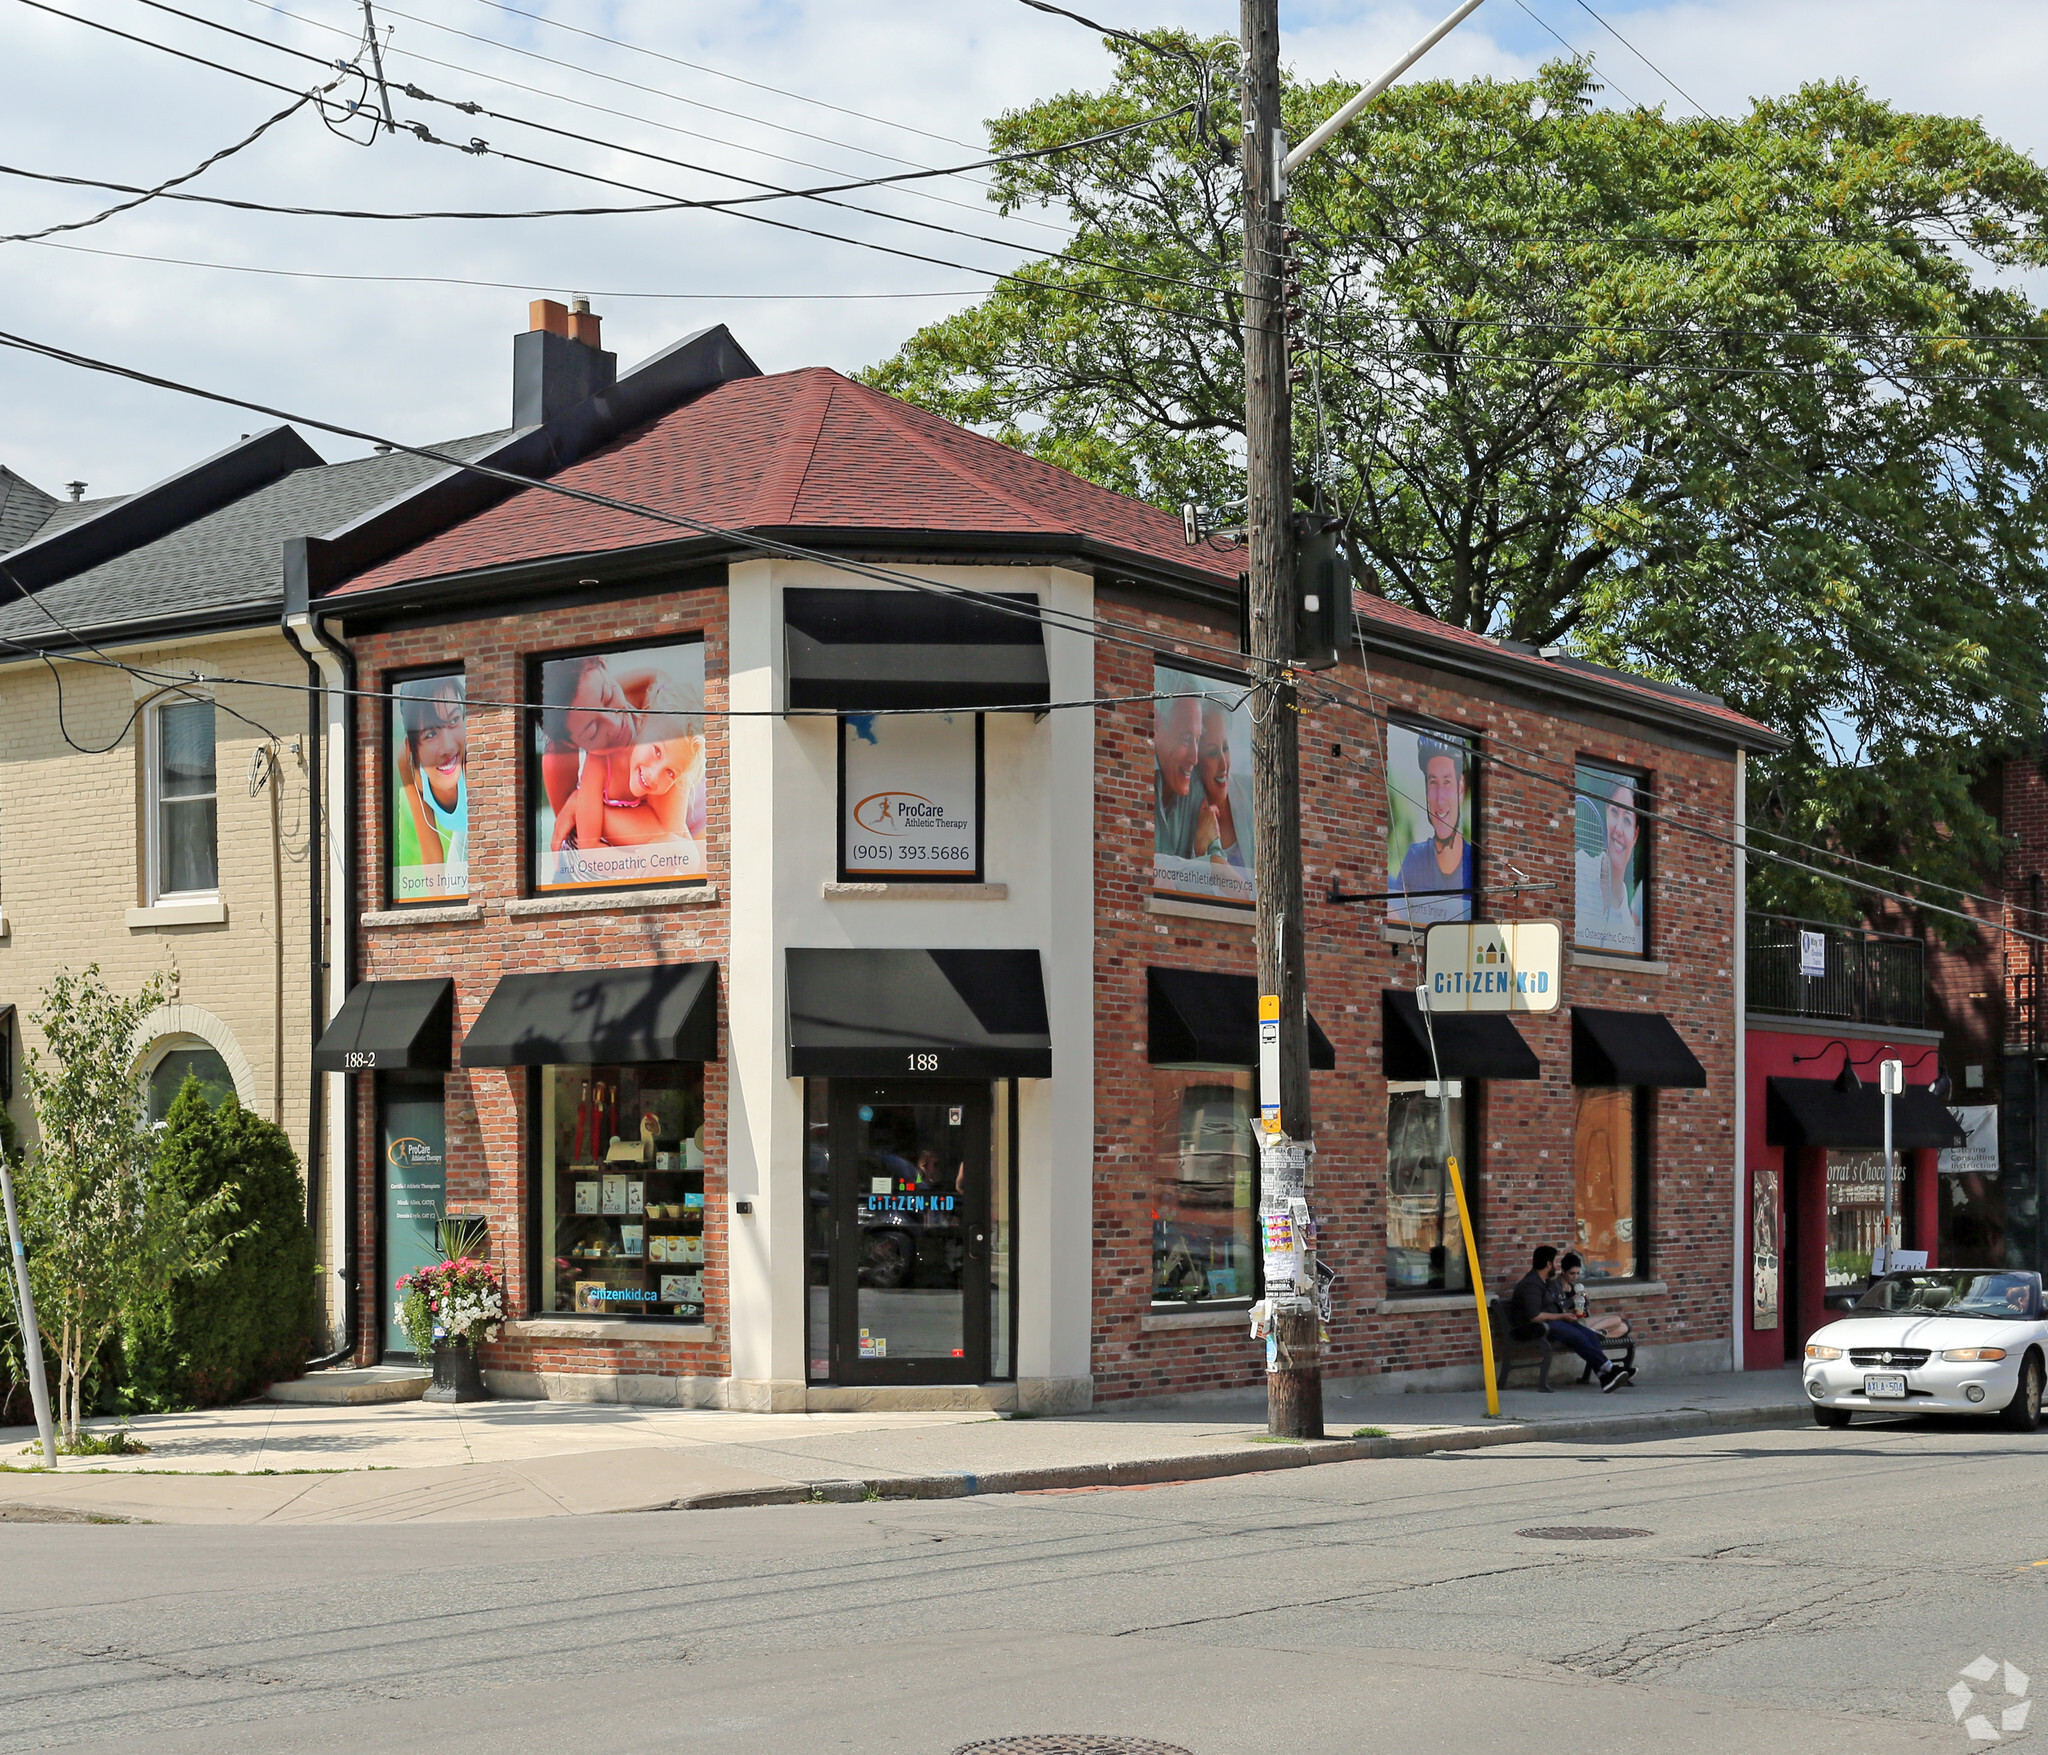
(446, 1309)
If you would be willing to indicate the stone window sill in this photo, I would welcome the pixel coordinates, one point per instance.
(1630, 965)
(213, 912)
(1597, 1293)
(1232, 1316)
(1425, 1303)
(525, 907)
(449, 916)
(914, 892)
(1202, 911)
(1401, 935)
(599, 1328)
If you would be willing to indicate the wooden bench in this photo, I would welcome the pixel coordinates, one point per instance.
(1509, 1354)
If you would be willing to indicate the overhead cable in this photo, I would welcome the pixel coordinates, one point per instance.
(165, 187)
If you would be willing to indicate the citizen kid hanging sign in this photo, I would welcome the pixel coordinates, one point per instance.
(1493, 966)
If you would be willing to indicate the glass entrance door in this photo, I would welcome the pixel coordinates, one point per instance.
(907, 1198)
(413, 1129)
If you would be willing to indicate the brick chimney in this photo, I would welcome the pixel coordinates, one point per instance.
(558, 363)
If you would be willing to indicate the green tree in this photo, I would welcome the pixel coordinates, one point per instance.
(200, 1342)
(107, 1232)
(1753, 405)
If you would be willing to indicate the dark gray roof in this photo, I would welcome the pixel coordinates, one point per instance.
(226, 567)
(24, 509)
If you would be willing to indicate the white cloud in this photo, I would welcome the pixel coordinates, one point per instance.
(429, 361)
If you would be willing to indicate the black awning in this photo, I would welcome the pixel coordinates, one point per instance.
(585, 1017)
(1631, 1048)
(1469, 1045)
(917, 1014)
(866, 651)
(1196, 1018)
(390, 1026)
(1811, 1112)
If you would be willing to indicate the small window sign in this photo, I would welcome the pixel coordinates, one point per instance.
(910, 796)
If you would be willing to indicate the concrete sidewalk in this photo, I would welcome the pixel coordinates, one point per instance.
(270, 1462)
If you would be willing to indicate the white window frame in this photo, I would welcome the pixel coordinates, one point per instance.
(154, 801)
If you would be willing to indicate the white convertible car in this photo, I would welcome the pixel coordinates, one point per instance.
(1935, 1341)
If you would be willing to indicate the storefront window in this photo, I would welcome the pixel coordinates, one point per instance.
(1604, 1167)
(1425, 1247)
(622, 1190)
(1204, 1187)
(1856, 1214)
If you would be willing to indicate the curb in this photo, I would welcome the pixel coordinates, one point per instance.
(1214, 1465)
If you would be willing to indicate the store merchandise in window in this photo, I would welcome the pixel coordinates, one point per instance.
(1204, 1187)
(622, 1190)
(1856, 1213)
(1604, 1181)
(1425, 1245)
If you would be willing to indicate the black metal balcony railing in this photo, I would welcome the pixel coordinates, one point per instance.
(1868, 977)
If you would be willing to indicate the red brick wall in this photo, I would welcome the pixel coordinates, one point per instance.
(487, 1107)
(1524, 1182)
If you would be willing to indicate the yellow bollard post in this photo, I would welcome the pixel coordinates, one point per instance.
(1478, 1290)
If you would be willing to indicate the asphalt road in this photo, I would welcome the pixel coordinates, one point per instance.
(1796, 1591)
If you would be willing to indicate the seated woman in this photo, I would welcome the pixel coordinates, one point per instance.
(1574, 1297)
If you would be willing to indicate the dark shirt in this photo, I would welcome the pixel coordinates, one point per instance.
(1528, 1299)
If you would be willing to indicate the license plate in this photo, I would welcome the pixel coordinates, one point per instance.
(1885, 1389)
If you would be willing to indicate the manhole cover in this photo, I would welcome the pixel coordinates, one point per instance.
(1069, 1743)
(1581, 1532)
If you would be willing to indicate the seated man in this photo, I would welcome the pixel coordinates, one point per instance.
(1530, 1319)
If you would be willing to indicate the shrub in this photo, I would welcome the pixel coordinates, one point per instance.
(215, 1340)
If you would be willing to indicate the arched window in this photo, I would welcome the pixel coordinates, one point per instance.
(182, 1059)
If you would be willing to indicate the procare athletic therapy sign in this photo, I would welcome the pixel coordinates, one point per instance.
(1493, 966)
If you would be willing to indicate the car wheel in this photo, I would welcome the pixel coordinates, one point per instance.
(2023, 1412)
(1834, 1418)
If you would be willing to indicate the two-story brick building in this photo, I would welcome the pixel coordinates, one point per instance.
(847, 994)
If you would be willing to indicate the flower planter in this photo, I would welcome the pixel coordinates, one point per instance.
(457, 1376)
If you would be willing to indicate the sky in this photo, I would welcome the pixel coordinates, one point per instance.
(858, 87)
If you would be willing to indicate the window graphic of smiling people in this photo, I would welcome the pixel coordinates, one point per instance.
(1176, 800)
(430, 773)
(1442, 860)
(1610, 877)
(640, 795)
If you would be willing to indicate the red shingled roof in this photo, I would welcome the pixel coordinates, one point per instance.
(813, 450)
(807, 450)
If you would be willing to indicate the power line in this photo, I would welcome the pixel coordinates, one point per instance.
(1153, 313)
(716, 72)
(1577, 55)
(665, 202)
(205, 165)
(1705, 113)
(496, 285)
(653, 122)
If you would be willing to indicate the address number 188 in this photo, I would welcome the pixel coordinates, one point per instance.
(925, 1063)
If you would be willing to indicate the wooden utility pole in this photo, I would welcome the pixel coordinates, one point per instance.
(1294, 1388)
(1294, 1384)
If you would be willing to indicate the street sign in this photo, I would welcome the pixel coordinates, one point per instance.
(1493, 966)
(1813, 953)
(1269, 1061)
